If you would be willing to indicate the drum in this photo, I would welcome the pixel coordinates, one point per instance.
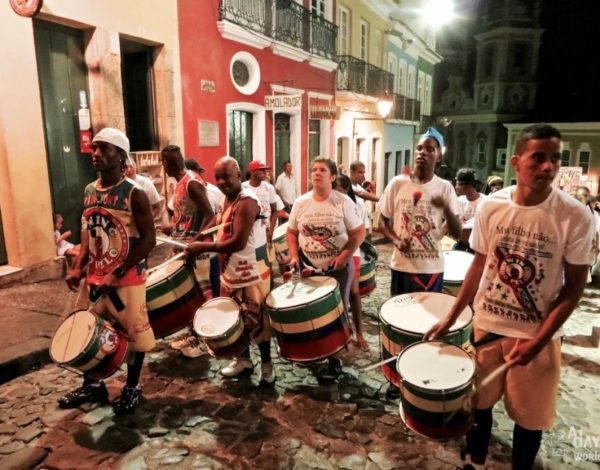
(406, 318)
(437, 379)
(456, 265)
(89, 343)
(368, 263)
(307, 317)
(219, 323)
(173, 297)
(447, 243)
(280, 243)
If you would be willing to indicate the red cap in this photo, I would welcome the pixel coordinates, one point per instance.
(255, 165)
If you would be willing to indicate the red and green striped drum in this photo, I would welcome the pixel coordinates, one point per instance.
(89, 343)
(219, 323)
(437, 380)
(456, 265)
(368, 263)
(282, 253)
(173, 297)
(404, 319)
(308, 319)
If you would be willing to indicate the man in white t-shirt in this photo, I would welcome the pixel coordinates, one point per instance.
(266, 195)
(357, 176)
(148, 186)
(468, 200)
(286, 186)
(533, 248)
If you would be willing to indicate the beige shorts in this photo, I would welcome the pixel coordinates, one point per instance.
(529, 391)
(133, 318)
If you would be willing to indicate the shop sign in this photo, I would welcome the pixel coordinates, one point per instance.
(329, 111)
(283, 102)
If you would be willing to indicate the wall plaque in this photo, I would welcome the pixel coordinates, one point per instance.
(208, 133)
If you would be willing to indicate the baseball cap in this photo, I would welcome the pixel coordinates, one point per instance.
(115, 137)
(255, 165)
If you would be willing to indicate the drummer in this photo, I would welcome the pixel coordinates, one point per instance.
(245, 269)
(324, 231)
(115, 264)
(190, 211)
(533, 246)
(468, 199)
(344, 186)
(416, 212)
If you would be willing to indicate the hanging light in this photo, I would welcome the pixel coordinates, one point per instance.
(384, 106)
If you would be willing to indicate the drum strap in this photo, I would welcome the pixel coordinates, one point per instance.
(487, 338)
(111, 293)
(432, 280)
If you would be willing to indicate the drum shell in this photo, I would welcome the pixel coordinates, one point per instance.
(282, 252)
(232, 342)
(368, 264)
(94, 359)
(310, 331)
(437, 414)
(173, 301)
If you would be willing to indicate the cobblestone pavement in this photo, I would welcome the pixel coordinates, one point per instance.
(192, 418)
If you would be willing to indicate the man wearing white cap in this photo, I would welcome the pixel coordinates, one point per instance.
(116, 237)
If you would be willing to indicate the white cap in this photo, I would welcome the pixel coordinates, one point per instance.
(115, 137)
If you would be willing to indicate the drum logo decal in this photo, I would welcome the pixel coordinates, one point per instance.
(109, 340)
(109, 242)
(207, 329)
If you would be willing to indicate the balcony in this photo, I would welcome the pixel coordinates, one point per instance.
(405, 109)
(285, 21)
(358, 76)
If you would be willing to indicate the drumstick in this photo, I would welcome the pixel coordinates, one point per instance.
(170, 241)
(162, 265)
(379, 364)
(208, 231)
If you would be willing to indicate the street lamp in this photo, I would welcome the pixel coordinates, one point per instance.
(438, 12)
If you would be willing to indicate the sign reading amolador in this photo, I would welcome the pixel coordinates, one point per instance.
(276, 102)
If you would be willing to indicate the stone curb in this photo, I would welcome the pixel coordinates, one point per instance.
(22, 358)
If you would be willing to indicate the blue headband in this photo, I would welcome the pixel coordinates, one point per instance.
(434, 134)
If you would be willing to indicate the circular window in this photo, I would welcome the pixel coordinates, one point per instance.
(245, 73)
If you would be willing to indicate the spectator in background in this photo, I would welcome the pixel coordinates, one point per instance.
(286, 186)
(468, 200)
(357, 176)
(494, 183)
(156, 202)
(63, 247)
(214, 195)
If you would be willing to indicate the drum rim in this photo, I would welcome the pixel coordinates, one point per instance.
(231, 328)
(453, 329)
(284, 231)
(266, 301)
(165, 279)
(402, 414)
(442, 391)
(90, 310)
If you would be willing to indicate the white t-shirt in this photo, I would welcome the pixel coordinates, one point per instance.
(215, 197)
(286, 185)
(526, 249)
(422, 222)
(148, 186)
(63, 246)
(468, 210)
(266, 196)
(323, 226)
(364, 216)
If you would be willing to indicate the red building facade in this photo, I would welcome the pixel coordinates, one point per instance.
(258, 82)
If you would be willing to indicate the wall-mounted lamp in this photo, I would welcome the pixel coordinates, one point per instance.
(384, 106)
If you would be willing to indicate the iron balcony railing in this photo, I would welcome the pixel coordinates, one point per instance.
(406, 109)
(358, 76)
(285, 21)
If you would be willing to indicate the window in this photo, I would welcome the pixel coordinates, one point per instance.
(410, 85)
(318, 7)
(240, 137)
(401, 81)
(314, 138)
(364, 40)
(343, 30)
(481, 149)
(378, 48)
(420, 87)
(392, 68)
(584, 160)
(565, 158)
(427, 95)
(500, 158)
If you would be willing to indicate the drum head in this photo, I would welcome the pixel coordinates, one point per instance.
(419, 311)
(216, 317)
(72, 336)
(435, 365)
(280, 231)
(456, 265)
(163, 273)
(300, 292)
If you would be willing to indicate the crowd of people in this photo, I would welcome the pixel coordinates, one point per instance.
(533, 246)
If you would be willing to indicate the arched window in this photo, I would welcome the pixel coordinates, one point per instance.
(481, 148)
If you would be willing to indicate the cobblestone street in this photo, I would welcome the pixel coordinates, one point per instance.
(192, 418)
